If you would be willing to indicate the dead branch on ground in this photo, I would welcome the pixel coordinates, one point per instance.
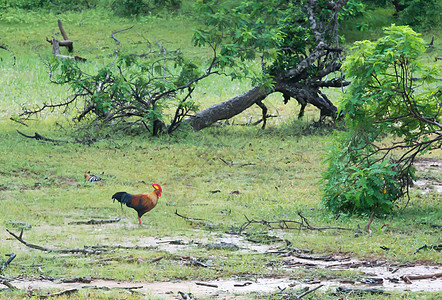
(196, 221)
(65, 250)
(61, 293)
(408, 278)
(113, 33)
(96, 221)
(7, 262)
(6, 282)
(105, 247)
(367, 228)
(206, 284)
(286, 224)
(126, 259)
(38, 136)
(77, 280)
(425, 247)
(309, 291)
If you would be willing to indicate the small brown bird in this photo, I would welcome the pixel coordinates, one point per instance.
(91, 178)
(142, 203)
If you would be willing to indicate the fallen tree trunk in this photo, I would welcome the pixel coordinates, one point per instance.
(303, 92)
(227, 109)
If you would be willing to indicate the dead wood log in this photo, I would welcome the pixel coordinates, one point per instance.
(96, 221)
(66, 250)
(65, 36)
(408, 278)
(61, 293)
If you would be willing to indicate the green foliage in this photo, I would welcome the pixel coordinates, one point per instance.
(354, 8)
(421, 14)
(363, 174)
(140, 89)
(127, 8)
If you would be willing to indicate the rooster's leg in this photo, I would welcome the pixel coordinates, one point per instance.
(139, 220)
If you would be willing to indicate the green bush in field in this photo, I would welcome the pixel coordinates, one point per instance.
(136, 91)
(365, 173)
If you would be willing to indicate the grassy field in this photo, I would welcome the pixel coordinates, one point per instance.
(223, 175)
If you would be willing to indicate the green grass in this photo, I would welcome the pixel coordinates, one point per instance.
(275, 170)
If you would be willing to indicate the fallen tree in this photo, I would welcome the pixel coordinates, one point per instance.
(287, 47)
(296, 42)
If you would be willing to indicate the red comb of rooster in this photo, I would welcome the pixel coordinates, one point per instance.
(157, 186)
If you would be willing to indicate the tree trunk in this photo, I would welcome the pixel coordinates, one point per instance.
(226, 109)
(303, 93)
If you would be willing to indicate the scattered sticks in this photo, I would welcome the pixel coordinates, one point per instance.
(66, 250)
(286, 224)
(96, 221)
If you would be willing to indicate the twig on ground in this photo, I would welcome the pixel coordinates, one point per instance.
(367, 228)
(243, 284)
(104, 247)
(409, 278)
(7, 262)
(197, 221)
(96, 221)
(309, 291)
(434, 247)
(206, 284)
(113, 33)
(65, 293)
(67, 250)
(6, 282)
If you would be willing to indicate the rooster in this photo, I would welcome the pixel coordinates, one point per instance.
(142, 203)
(91, 178)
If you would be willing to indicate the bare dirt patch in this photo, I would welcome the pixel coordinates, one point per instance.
(372, 274)
(430, 167)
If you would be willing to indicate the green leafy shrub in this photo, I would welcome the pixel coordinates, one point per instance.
(365, 172)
